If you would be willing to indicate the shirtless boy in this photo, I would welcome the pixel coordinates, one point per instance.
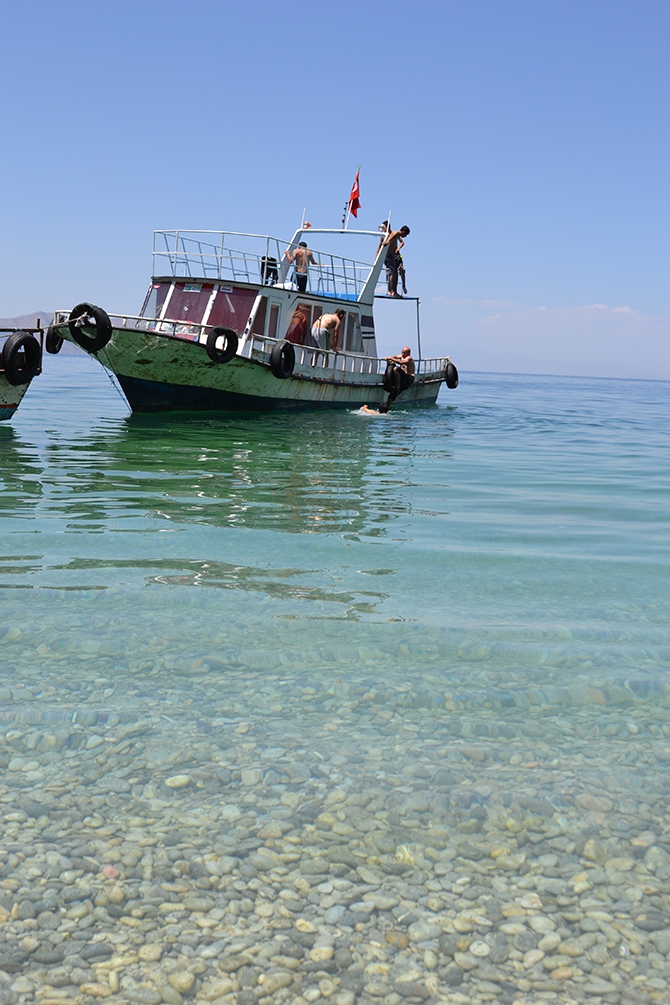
(302, 258)
(393, 261)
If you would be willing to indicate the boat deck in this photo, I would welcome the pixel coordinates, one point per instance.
(253, 258)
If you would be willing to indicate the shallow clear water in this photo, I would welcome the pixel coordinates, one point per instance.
(525, 516)
(481, 585)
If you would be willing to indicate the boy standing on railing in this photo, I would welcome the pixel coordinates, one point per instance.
(393, 261)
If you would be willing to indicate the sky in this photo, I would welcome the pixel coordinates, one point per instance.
(525, 143)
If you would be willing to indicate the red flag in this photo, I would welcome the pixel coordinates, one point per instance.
(354, 199)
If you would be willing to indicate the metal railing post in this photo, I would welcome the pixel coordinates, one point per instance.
(418, 328)
(176, 252)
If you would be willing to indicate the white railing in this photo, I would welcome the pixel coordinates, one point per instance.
(259, 347)
(429, 367)
(254, 259)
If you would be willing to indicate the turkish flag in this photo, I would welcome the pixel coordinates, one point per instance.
(354, 198)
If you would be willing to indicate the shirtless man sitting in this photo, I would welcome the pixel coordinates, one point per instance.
(393, 261)
(326, 329)
(403, 372)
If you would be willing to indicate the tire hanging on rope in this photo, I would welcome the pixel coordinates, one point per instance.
(21, 358)
(282, 359)
(85, 318)
(230, 343)
(53, 342)
(451, 376)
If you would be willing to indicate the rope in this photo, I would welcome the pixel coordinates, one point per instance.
(108, 370)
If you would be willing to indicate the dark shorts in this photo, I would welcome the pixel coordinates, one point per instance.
(393, 262)
(301, 281)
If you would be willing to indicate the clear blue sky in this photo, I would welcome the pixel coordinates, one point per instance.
(525, 143)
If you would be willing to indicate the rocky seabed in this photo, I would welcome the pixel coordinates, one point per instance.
(380, 826)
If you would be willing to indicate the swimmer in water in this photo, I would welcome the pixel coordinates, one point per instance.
(382, 410)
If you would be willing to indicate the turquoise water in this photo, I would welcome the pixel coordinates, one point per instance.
(337, 674)
(523, 520)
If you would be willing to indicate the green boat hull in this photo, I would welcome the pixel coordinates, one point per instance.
(161, 373)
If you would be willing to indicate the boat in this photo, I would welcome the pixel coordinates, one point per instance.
(227, 325)
(20, 362)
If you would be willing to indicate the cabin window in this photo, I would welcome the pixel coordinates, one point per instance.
(274, 321)
(232, 307)
(354, 342)
(259, 319)
(154, 300)
(188, 302)
(300, 324)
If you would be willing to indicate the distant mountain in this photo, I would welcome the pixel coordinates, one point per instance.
(30, 321)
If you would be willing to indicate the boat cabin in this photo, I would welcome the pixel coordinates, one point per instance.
(252, 289)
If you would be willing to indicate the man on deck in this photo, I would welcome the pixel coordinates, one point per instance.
(326, 329)
(302, 258)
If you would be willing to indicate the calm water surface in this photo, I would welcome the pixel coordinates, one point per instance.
(526, 515)
(417, 630)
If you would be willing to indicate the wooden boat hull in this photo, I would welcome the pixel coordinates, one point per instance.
(161, 373)
(10, 397)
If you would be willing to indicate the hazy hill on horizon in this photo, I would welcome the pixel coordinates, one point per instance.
(30, 321)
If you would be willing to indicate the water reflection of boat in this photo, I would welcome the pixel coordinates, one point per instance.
(312, 475)
(21, 471)
(20, 362)
(332, 475)
(228, 324)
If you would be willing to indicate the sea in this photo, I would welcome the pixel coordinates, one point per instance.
(377, 707)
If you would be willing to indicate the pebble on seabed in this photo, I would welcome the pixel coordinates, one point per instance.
(282, 840)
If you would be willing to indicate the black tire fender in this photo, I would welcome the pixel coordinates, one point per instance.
(230, 343)
(282, 359)
(21, 358)
(87, 316)
(451, 376)
(53, 341)
(388, 382)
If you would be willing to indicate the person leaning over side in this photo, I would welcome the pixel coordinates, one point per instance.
(326, 330)
(393, 261)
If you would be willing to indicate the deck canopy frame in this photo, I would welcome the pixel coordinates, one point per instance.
(235, 256)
